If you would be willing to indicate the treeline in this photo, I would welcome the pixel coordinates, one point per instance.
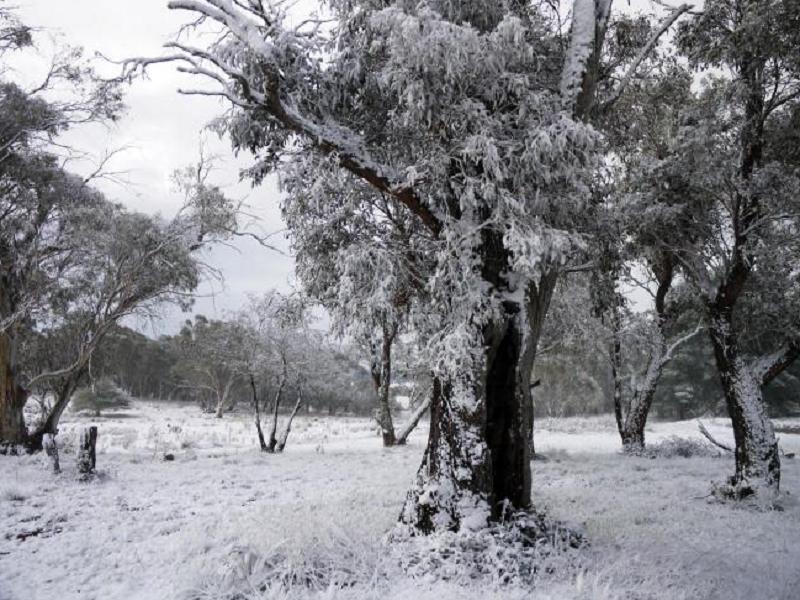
(196, 366)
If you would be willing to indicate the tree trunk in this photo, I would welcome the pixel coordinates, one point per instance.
(87, 457)
(51, 448)
(758, 465)
(222, 398)
(257, 410)
(285, 436)
(50, 425)
(382, 378)
(476, 467)
(12, 396)
(273, 440)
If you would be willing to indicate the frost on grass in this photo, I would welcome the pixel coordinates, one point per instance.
(323, 560)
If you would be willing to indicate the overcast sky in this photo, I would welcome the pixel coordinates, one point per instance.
(161, 131)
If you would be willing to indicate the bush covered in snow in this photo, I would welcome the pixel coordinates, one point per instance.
(104, 394)
(682, 447)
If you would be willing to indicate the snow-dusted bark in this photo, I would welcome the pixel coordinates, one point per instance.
(758, 466)
(222, 397)
(273, 432)
(579, 75)
(382, 378)
(477, 462)
(285, 436)
(413, 421)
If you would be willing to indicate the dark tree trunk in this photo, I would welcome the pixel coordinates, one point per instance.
(757, 458)
(382, 379)
(257, 410)
(12, 396)
(476, 466)
(87, 457)
(50, 424)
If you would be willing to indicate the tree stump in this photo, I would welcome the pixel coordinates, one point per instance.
(51, 449)
(86, 451)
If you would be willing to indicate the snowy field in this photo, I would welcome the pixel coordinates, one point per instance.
(224, 521)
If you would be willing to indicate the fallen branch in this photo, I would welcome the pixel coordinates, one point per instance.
(412, 422)
(711, 439)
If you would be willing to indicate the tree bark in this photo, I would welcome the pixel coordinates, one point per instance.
(51, 448)
(222, 398)
(273, 440)
(382, 379)
(63, 395)
(87, 456)
(257, 410)
(632, 419)
(476, 466)
(285, 436)
(13, 431)
(415, 418)
(758, 462)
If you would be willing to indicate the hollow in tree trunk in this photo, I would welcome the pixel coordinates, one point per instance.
(476, 466)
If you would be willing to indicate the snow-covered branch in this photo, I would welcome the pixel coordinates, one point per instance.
(644, 52)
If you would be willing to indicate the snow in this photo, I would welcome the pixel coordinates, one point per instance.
(223, 518)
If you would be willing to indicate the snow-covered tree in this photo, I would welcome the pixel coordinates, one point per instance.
(129, 264)
(40, 203)
(357, 254)
(467, 116)
(735, 196)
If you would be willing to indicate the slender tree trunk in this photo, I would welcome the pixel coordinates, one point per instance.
(285, 436)
(222, 398)
(273, 440)
(382, 379)
(632, 418)
(62, 397)
(257, 414)
(415, 418)
(758, 464)
(12, 396)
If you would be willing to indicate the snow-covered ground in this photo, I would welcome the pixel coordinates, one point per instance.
(222, 519)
